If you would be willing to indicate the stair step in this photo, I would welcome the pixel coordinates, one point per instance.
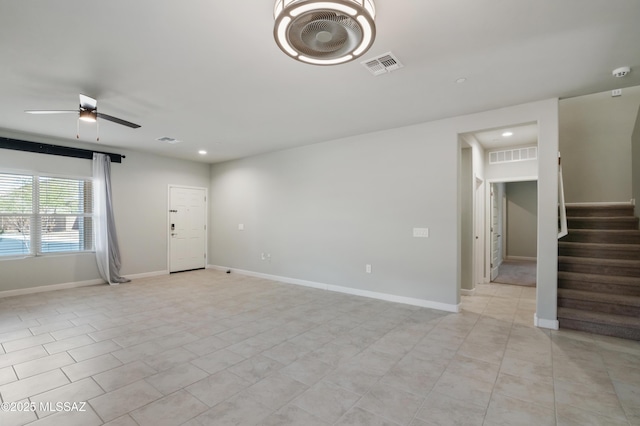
(601, 210)
(599, 302)
(605, 222)
(590, 265)
(609, 236)
(599, 283)
(626, 327)
(599, 250)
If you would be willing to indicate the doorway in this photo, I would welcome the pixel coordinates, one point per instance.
(514, 232)
(187, 232)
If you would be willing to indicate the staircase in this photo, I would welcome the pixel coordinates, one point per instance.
(599, 271)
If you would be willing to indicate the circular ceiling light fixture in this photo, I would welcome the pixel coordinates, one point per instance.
(324, 32)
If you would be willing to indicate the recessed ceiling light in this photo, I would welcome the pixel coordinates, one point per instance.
(461, 80)
(507, 134)
(202, 152)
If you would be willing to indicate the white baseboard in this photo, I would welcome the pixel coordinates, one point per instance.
(41, 289)
(347, 290)
(602, 203)
(146, 275)
(545, 323)
(533, 259)
(465, 292)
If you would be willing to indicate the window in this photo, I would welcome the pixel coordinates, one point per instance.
(44, 214)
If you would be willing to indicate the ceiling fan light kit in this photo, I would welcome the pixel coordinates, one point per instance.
(328, 32)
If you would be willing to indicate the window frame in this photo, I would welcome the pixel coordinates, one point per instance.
(35, 216)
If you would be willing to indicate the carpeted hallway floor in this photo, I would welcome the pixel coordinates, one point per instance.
(517, 272)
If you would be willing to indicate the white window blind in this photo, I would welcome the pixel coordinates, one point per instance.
(42, 214)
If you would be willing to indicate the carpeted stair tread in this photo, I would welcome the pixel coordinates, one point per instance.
(599, 297)
(600, 250)
(607, 279)
(607, 236)
(600, 318)
(603, 222)
(622, 263)
(606, 210)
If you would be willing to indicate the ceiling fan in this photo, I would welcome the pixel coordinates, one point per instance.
(87, 111)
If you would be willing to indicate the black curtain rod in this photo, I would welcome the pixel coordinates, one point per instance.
(45, 148)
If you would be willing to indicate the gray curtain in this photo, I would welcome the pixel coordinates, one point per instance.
(106, 240)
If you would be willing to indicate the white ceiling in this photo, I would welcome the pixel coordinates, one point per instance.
(210, 74)
(524, 134)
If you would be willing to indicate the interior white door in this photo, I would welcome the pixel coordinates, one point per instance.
(495, 233)
(187, 228)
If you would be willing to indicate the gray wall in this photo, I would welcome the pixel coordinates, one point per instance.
(324, 211)
(635, 160)
(595, 142)
(522, 219)
(140, 185)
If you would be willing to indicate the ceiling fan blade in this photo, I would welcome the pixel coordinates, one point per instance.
(118, 120)
(36, 111)
(88, 102)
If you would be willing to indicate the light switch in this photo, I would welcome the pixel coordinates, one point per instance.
(421, 232)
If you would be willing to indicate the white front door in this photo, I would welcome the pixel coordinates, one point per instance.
(187, 228)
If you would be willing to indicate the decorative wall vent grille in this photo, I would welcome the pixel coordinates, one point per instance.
(382, 64)
(513, 155)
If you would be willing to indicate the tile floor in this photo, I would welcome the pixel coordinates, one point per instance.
(207, 348)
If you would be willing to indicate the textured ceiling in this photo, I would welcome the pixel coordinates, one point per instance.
(209, 73)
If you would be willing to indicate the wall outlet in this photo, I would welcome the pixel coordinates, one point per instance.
(367, 268)
(616, 92)
(241, 227)
(421, 232)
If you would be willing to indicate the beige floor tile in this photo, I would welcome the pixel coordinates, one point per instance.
(123, 400)
(475, 391)
(290, 415)
(217, 361)
(442, 410)
(285, 353)
(125, 420)
(15, 391)
(514, 412)
(7, 375)
(391, 403)
(176, 378)
(239, 410)
(588, 399)
(525, 369)
(308, 370)
(93, 350)
(91, 367)
(629, 397)
(218, 387)
(171, 410)
(275, 390)
(67, 344)
(17, 417)
(83, 416)
(326, 401)
(169, 359)
(14, 335)
(41, 365)
(76, 392)
(571, 416)
(538, 391)
(359, 417)
(255, 368)
(72, 331)
(27, 342)
(121, 376)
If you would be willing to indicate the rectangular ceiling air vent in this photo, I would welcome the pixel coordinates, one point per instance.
(513, 155)
(382, 64)
(168, 140)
